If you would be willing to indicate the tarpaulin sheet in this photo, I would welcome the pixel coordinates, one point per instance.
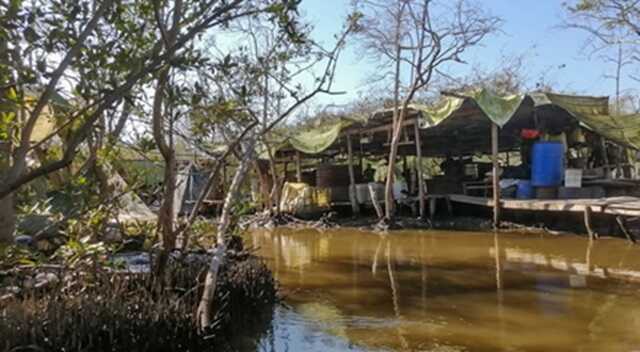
(301, 198)
(591, 112)
(318, 139)
(499, 109)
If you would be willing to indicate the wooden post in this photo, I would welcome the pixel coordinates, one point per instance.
(352, 179)
(298, 167)
(421, 194)
(605, 158)
(495, 175)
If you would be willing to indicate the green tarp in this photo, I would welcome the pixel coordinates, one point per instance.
(317, 140)
(311, 140)
(497, 108)
(432, 116)
(591, 112)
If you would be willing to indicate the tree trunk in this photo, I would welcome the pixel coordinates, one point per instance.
(7, 219)
(205, 310)
(166, 216)
(393, 153)
(7, 209)
(274, 192)
(388, 193)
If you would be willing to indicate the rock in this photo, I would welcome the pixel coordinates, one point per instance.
(46, 278)
(112, 233)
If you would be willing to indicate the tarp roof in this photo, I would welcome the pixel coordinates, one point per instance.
(314, 140)
(591, 112)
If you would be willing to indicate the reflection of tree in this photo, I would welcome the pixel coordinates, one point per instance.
(394, 296)
(374, 264)
(588, 255)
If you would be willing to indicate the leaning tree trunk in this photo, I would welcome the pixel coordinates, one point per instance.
(205, 310)
(166, 216)
(396, 125)
(393, 153)
(166, 226)
(7, 210)
(7, 219)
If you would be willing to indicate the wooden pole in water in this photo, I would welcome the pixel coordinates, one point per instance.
(421, 194)
(298, 167)
(495, 175)
(355, 207)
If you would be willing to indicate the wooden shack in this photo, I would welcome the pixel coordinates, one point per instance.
(485, 136)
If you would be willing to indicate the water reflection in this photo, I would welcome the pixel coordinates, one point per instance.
(356, 290)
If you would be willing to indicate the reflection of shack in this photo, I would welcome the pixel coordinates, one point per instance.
(550, 153)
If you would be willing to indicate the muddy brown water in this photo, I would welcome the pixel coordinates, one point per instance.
(354, 290)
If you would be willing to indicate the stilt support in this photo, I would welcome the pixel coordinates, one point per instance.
(419, 173)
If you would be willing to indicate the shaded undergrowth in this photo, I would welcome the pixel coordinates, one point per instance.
(101, 310)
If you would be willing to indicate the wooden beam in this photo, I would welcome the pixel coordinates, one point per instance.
(419, 171)
(495, 175)
(386, 127)
(622, 206)
(352, 178)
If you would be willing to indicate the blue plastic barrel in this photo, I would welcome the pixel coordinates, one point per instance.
(524, 190)
(547, 166)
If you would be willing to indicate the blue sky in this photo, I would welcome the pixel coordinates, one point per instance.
(530, 28)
